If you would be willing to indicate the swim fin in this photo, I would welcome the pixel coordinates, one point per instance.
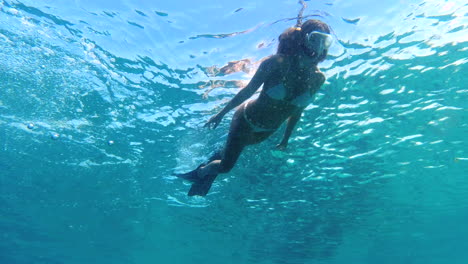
(202, 186)
(191, 175)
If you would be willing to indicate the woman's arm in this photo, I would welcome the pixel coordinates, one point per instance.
(292, 121)
(245, 93)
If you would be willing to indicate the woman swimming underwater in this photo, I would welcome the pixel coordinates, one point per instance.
(290, 80)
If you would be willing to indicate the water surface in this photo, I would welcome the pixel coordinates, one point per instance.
(101, 101)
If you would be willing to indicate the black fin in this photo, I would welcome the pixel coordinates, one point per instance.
(202, 186)
(191, 175)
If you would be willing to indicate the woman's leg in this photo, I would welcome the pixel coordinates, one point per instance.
(238, 136)
(232, 151)
(258, 137)
(204, 175)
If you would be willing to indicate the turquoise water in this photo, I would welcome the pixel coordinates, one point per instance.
(101, 101)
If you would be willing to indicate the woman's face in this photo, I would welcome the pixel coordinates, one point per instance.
(318, 42)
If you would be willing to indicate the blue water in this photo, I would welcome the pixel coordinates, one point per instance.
(100, 101)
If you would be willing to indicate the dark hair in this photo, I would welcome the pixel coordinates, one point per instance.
(315, 25)
(291, 41)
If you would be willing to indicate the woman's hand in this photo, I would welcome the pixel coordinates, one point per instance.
(214, 121)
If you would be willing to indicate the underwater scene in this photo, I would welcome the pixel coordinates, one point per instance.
(102, 103)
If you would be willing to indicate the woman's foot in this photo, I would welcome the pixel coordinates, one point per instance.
(200, 172)
(211, 168)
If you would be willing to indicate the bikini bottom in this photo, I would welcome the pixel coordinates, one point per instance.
(252, 125)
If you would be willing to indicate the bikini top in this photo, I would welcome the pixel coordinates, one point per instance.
(278, 92)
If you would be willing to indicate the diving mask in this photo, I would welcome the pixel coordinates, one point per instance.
(318, 41)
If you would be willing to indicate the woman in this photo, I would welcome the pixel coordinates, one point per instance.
(290, 79)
